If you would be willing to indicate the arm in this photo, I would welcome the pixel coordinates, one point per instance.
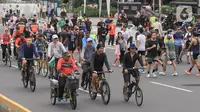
(140, 60)
(22, 51)
(138, 42)
(73, 65)
(82, 54)
(124, 60)
(62, 47)
(189, 48)
(106, 62)
(49, 50)
(92, 62)
(59, 65)
(34, 51)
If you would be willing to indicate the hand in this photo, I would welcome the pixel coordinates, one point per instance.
(153, 46)
(126, 71)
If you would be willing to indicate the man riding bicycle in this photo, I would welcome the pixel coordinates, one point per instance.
(34, 28)
(87, 53)
(40, 45)
(27, 51)
(65, 66)
(129, 62)
(5, 43)
(55, 49)
(97, 62)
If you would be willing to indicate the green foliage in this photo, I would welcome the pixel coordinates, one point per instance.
(94, 12)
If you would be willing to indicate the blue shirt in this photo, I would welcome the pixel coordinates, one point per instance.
(84, 42)
(28, 51)
(178, 39)
(40, 44)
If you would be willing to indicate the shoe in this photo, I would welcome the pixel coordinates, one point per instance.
(59, 99)
(94, 90)
(162, 73)
(198, 74)
(175, 74)
(154, 75)
(188, 72)
(3, 59)
(120, 66)
(114, 64)
(148, 75)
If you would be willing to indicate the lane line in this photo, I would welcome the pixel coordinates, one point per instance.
(173, 87)
(85, 91)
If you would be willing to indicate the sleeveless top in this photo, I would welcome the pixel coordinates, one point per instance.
(196, 47)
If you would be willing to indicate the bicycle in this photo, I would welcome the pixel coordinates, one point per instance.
(7, 57)
(52, 68)
(88, 78)
(42, 65)
(101, 84)
(28, 75)
(72, 84)
(128, 91)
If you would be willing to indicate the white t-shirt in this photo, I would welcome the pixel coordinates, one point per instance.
(142, 39)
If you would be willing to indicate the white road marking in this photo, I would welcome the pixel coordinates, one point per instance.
(173, 87)
(85, 91)
(107, 47)
(14, 66)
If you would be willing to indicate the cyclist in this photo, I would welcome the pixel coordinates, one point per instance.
(5, 43)
(55, 49)
(84, 40)
(65, 66)
(40, 44)
(97, 61)
(87, 53)
(18, 43)
(34, 28)
(16, 35)
(129, 61)
(21, 26)
(27, 51)
(48, 33)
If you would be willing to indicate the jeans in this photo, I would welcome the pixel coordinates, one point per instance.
(178, 50)
(111, 39)
(4, 46)
(121, 56)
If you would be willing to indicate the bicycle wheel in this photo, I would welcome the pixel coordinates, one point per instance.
(53, 96)
(86, 82)
(125, 94)
(37, 67)
(105, 92)
(73, 101)
(92, 95)
(44, 69)
(25, 79)
(32, 80)
(138, 96)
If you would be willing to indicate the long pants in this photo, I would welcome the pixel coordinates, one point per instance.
(14, 51)
(3, 21)
(4, 46)
(102, 40)
(130, 40)
(121, 56)
(62, 82)
(111, 39)
(178, 50)
(11, 31)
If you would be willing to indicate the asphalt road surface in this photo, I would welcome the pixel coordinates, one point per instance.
(163, 94)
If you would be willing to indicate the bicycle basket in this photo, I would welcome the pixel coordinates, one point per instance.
(53, 83)
(72, 83)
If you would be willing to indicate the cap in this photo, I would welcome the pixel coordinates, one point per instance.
(55, 36)
(66, 54)
(89, 39)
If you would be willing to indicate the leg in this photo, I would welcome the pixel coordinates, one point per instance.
(61, 87)
(84, 74)
(94, 77)
(113, 39)
(176, 51)
(121, 56)
(109, 40)
(126, 77)
(3, 46)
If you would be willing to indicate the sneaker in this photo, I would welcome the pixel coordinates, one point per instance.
(188, 72)
(94, 90)
(59, 99)
(148, 75)
(162, 73)
(154, 75)
(3, 59)
(198, 74)
(114, 64)
(175, 74)
(120, 66)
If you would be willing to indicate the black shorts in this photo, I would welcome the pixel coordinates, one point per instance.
(141, 53)
(195, 56)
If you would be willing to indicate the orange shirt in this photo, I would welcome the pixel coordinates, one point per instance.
(112, 28)
(22, 27)
(34, 28)
(6, 38)
(19, 42)
(66, 67)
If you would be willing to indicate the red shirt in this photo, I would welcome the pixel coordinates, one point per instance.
(66, 67)
(112, 28)
(19, 42)
(6, 38)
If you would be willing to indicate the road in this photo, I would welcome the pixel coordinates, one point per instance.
(163, 94)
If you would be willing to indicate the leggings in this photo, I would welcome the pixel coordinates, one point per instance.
(4, 46)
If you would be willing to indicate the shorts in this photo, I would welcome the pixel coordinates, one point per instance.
(127, 76)
(142, 53)
(152, 59)
(172, 56)
(195, 56)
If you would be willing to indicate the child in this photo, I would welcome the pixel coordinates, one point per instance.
(117, 54)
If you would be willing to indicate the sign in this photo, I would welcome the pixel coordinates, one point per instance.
(184, 13)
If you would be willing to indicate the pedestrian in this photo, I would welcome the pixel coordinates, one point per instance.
(11, 26)
(131, 34)
(44, 11)
(151, 47)
(99, 24)
(3, 14)
(123, 45)
(88, 24)
(102, 35)
(158, 25)
(111, 31)
(117, 53)
(194, 46)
